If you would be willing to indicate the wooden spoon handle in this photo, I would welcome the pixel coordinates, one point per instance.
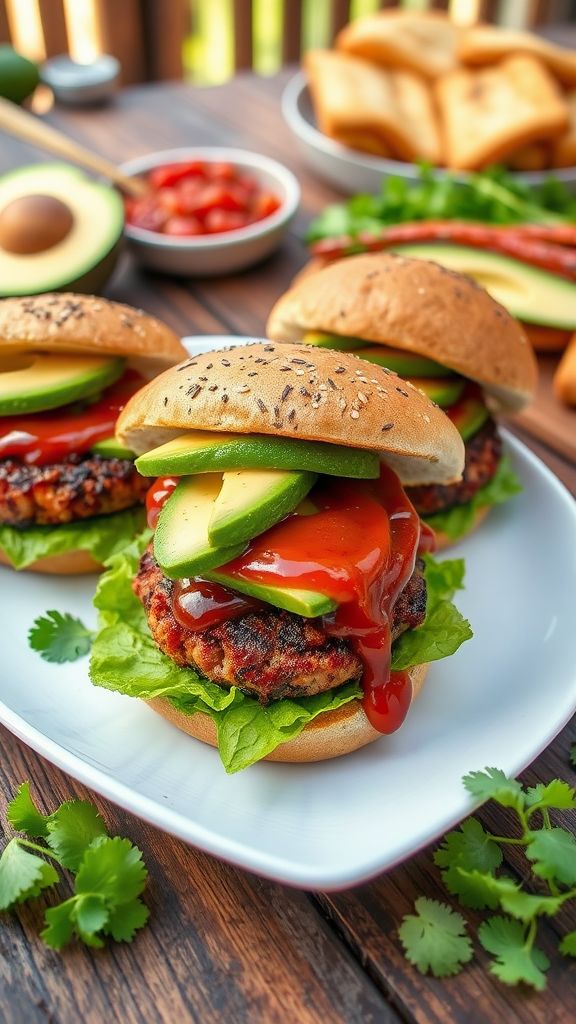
(31, 129)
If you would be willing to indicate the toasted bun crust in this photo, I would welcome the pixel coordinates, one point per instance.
(330, 735)
(63, 321)
(69, 563)
(418, 306)
(288, 390)
(443, 541)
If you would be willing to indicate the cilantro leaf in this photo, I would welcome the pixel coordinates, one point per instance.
(124, 921)
(59, 924)
(59, 637)
(557, 794)
(515, 960)
(90, 913)
(527, 905)
(480, 889)
(24, 816)
(71, 830)
(114, 869)
(493, 784)
(553, 852)
(435, 939)
(573, 755)
(568, 944)
(471, 849)
(23, 875)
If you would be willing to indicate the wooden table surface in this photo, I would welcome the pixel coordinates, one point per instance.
(223, 945)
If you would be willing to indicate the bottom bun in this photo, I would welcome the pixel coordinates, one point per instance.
(69, 563)
(443, 541)
(329, 735)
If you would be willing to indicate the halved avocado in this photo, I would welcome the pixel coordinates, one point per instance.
(444, 391)
(252, 500)
(468, 416)
(32, 382)
(110, 448)
(18, 75)
(83, 260)
(204, 451)
(308, 603)
(528, 293)
(181, 543)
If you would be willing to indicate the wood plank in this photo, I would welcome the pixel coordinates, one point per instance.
(222, 945)
(547, 418)
(291, 31)
(243, 36)
(53, 26)
(123, 37)
(165, 27)
(4, 26)
(339, 16)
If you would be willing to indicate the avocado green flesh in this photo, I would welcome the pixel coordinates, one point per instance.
(308, 603)
(340, 343)
(181, 543)
(469, 416)
(406, 364)
(528, 293)
(443, 391)
(85, 258)
(110, 448)
(251, 501)
(52, 380)
(207, 452)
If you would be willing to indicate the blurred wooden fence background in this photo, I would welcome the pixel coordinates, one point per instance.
(208, 39)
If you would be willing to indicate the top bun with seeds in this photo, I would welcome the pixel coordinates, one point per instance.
(292, 391)
(66, 322)
(417, 306)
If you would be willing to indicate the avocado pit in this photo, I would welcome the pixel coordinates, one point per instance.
(34, 223)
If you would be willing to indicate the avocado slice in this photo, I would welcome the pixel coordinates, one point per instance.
(444, 391)
(48, 380)
(468, 416)
(407, 364)
(339, 342)
(181, 543)
(308, 603)
(203, 451)
(84, 259)
(252, 500)
(528, 293)
(110, 448)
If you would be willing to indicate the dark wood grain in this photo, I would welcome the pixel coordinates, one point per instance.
(223, 945)
(53, 26)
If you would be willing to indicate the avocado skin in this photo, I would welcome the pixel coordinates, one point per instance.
(90, 283)
(247, 515)
(263, 452)
(18, 75)
(308, 603)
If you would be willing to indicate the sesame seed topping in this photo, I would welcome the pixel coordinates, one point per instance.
(261, 406)
(362, 397)
(225, 362)
(331, 383)
(387, 426)
(305, 392)
(244, 389)
(213, 387)
(299, 373)
(354, 414)
(299, 362)
(194, 390)
(291, 415)
(165, 399)
(286, 392)
(224, 398)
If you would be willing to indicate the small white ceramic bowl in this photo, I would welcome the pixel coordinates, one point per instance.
(212, 255)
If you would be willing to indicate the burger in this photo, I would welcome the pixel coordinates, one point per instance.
(287, 605)
(70, 496)
(444, 333)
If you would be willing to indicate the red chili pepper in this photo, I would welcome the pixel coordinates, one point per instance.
(512, 241)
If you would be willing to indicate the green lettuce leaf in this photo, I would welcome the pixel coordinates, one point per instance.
(444, 629)
(101, 537)
(126, 659)
(456, 521)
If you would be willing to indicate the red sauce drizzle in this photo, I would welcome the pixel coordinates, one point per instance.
(198, 604)
(157, 496)
(360, 549)
(45, 437)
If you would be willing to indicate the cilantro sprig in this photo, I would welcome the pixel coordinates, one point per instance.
(59, 636)
(471, 862)
(109, 874)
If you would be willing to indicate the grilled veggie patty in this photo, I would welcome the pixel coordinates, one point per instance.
(267, 654)
(79, 487)
(483, 453)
